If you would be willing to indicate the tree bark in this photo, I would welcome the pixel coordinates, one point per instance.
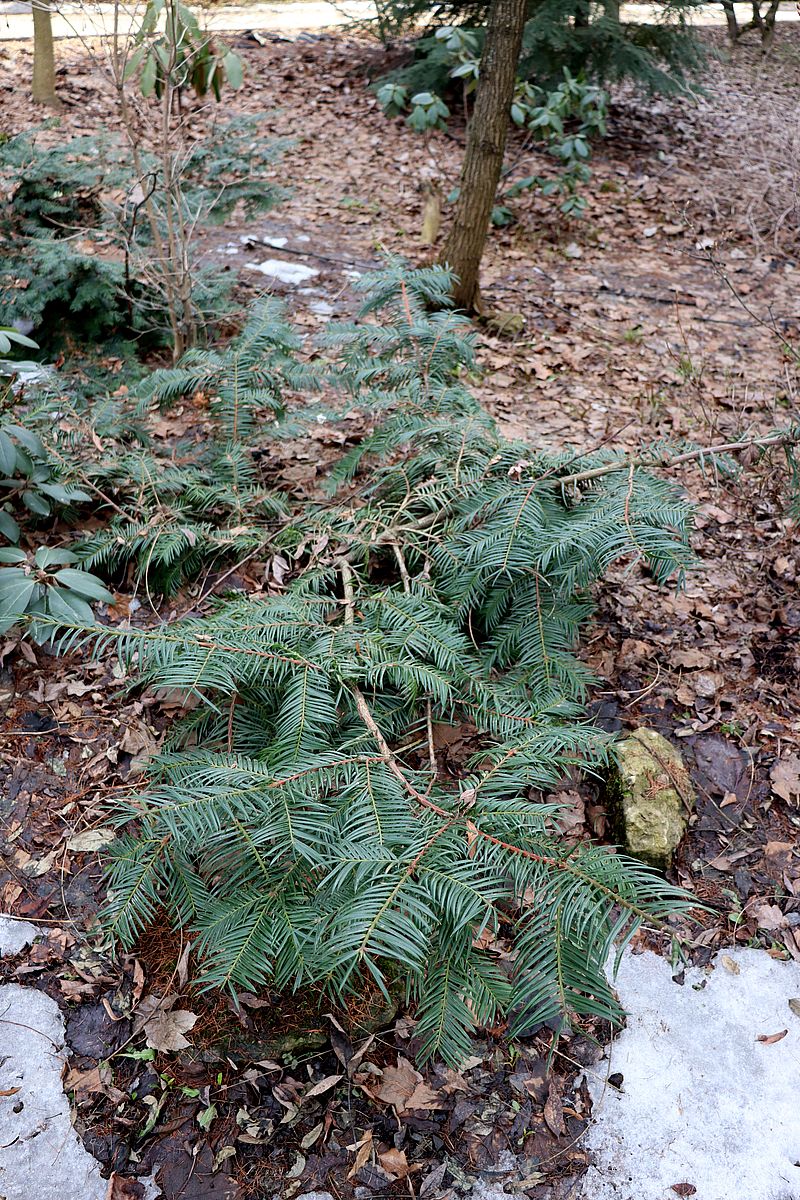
(731, 21)
(44, 66)
(486, 143)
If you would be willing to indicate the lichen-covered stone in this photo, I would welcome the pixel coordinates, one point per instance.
(652, 796)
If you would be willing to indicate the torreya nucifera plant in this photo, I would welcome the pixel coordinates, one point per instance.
(301, 826)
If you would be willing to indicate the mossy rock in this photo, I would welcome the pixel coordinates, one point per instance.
(296, 1025)
(505, 324)
(651, 796)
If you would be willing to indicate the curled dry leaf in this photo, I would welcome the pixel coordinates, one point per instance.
(363, 1150)
(769, 1039)
(312, 1136)
(324, 1085)
(297, 1167)
(123, 1187)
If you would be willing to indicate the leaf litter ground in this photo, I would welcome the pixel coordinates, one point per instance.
(664, 313)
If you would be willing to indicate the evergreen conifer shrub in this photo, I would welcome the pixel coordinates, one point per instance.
(301, 825)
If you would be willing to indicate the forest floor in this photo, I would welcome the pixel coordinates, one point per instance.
(671, 310)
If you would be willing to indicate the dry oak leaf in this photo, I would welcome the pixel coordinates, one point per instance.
(403, 1088)
(424, 1097)
(397, 1083)
(785, 776)
(164, 1030)
(769, 916)
(87, 1083)
(395, 1163)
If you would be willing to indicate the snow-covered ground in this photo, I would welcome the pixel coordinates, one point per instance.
(709, 1095)
(710, 1090)
(72, 19)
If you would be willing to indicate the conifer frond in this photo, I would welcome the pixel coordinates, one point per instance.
(309, 835)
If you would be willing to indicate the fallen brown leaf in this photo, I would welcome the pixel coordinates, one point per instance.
(364, 1150)
(424, 1097)
(769, 1039)
(165, 1030)
(318, 1089)
(769, 916)
(397, 1083)
(785, 777)
(395, 1162)
(122, 1187)
(554, 1110)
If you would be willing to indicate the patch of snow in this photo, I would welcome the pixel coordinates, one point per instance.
(231, 248)
(303, 237)
(29, 373)
(322, 308)
(291, 273)
(277, 243)
(43, 1157)
(15, 935)
(702, 1100)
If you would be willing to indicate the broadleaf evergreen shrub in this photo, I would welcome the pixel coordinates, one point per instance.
(662, 55)
(300, 827)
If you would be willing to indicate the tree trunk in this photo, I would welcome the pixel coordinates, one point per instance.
(768, 28)
(486, 143)
(582, 14)
(44, 67)
(731, 21)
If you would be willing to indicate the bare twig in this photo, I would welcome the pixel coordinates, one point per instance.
(785, 437)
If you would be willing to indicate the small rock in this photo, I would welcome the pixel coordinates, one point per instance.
(15, 935)
(507, 324)
(42, 1154)
(573, 250)
(653, 796)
